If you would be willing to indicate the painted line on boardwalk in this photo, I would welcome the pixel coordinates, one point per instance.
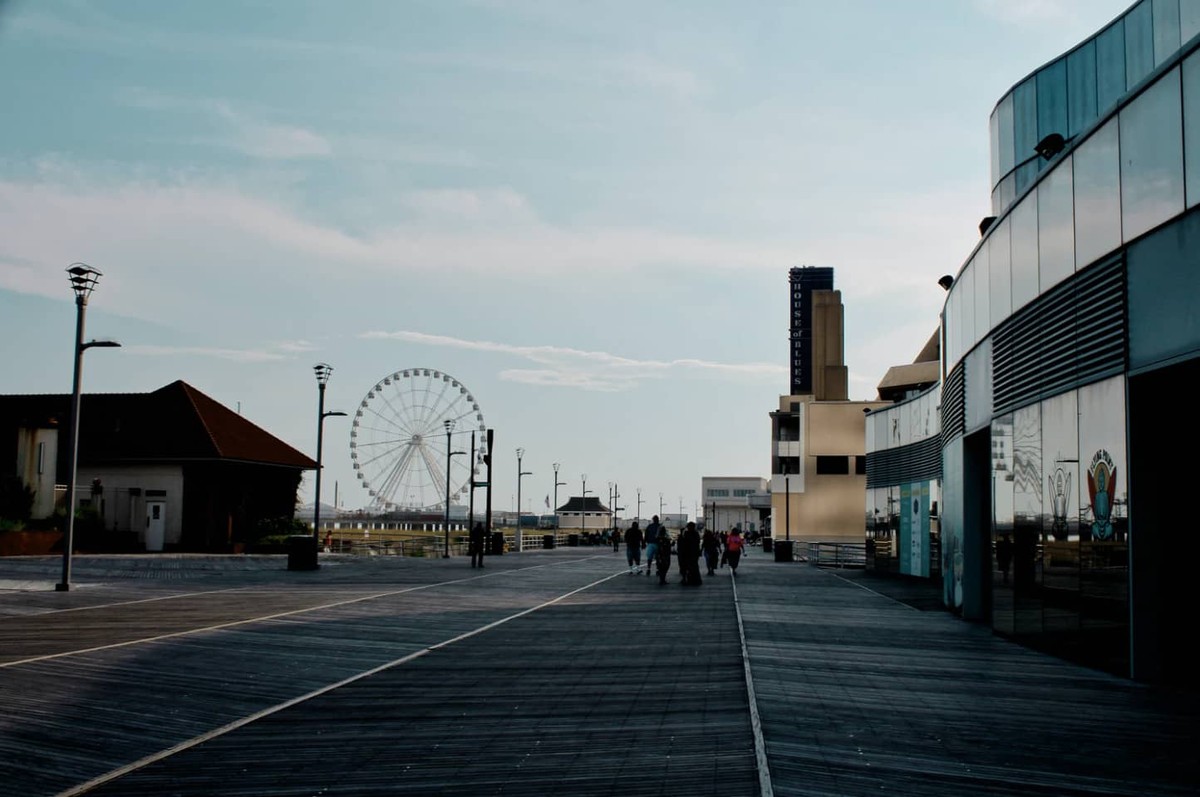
(140, 600)
(141, 763)
(276, 616)
(873, 592)
(760, 744)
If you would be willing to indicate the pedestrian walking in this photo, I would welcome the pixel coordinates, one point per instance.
(711, 546)
(475, 544)
(633, 548)
(652, 532)
(616, 540)
(662, 555)
(689, 556)
(733, 548)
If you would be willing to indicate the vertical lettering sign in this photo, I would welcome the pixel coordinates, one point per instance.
(802, 282)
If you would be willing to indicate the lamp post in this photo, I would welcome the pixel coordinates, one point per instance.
(639, 511)
(449, 424)
(557, 484)
(582, 506)
(661, 514)
(520, 473)
(323, 372)
(787, 504)
(83, 281)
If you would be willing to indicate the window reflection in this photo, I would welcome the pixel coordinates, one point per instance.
(1166, 29)
(1024, 226)
(1110, 66)
(1056, 234)
(1000, 274)
(982, 312)
(1097, 195)
(1151, 157)
(1052, 100)
(1139, 43)
(1081, 89)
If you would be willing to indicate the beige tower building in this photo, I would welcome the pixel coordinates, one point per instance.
(818, 436)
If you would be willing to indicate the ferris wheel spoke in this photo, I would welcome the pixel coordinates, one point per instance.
(399, 446)
(435, 411)
(392, 422)
(436, 472)
(417, 402)
(395, 417)
(395, 477)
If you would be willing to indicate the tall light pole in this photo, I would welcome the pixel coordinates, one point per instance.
(583, 505)
(614, 509)
(323, 372)
(83, 281)
(520, 473)
(661, 504)
(787, 504)
(557, 484)
(639, 512)
(449, 424)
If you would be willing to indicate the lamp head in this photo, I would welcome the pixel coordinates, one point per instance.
(322, 370)
(83, 280)
(520, 453)
(946, 281)
(449, 424)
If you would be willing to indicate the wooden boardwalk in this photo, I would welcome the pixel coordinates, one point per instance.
(552, 672)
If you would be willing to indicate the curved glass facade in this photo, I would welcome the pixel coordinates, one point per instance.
(1058, 333)
(1070, 93)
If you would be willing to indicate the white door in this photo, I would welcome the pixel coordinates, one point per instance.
(156, 524)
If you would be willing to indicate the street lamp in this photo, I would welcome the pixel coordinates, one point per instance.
(449, 424)
(787, 503)
(557, 484)
(582, 506)
(520, 473)
(83, 281)
(639, 512)
(323, 372)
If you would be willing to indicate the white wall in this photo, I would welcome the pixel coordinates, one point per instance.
(125, 512)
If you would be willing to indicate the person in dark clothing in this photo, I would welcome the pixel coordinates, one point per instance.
(616, 540)
(476, 545)
(651, 535)
(662, 555)
(712, 547)
(633, 548)
(689, 556)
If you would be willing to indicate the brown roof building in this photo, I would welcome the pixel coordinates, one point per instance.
(172, 468)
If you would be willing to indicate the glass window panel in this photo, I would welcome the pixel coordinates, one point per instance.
(1110, 66)
(1189, 20)
(1139, 43)
(1008, 191)
(1002, 524)
(1005, 134)
(1025, 175)
(966, 310)
(1104, 493)
(950, 331)
(1025, 129)
(1056, 234)
(1029, 487)
(1191, 126)
(1166, 29)
(1151, 157)
(996, 210)
(982, 311)
(1052, 99)
(1060, 539)
(994, 138)
(1000, 273)
(1024, 221)
(1081, 89)
(1097, 195)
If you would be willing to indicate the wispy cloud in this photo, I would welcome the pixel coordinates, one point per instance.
(234, 128)
(270, 353)
(589, 370)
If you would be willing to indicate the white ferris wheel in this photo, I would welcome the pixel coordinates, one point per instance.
(398, 440)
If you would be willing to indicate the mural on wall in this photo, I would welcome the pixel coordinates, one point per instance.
(1059, 496)
(1102, 476)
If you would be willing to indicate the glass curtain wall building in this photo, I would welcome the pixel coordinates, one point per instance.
(1065, 336)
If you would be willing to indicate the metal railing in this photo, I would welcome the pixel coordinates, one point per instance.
(836, 554)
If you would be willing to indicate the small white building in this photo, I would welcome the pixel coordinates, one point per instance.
(584, 515)
(727, 502)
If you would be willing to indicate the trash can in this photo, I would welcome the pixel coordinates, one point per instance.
(767, 544)
(783, 551)
(302, 552)
(497, 543)
(572, 540)
(547, 541)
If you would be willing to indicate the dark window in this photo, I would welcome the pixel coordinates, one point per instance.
(833, 465)
(860, 466)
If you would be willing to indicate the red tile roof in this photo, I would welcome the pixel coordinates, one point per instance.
(172, 424)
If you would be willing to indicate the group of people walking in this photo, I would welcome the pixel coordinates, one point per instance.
(717, 549)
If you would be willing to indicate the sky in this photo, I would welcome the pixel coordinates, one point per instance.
(583, 212)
